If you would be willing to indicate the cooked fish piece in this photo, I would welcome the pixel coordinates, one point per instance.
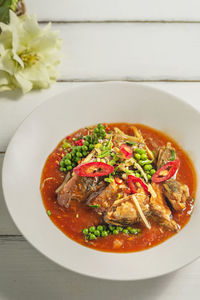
(160, 210)
(164, 155)
(124, 211)
(104, 197)
(79, 189)
(176, 193)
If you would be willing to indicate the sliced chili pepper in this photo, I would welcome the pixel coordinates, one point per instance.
(118, 180)
(93, 169)
(132, 179)
(126, 150)
(68, 138)
(171, 168)
(79, 142)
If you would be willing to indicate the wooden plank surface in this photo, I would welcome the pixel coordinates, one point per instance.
(129, 51)
(101, 10)
(26, 274)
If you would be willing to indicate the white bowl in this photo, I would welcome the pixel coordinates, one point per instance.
(39, 134)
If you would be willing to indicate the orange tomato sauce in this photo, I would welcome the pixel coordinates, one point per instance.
(72, 220)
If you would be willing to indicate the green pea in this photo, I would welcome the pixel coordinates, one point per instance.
(115, 231)
(129, 228)
(68, 156)
(147, 167)
(96, 130)
(138, 230)
(102, 131)
(63, 169)
(100, 228)
(152, 171)
(111, 227)
(68, 162)
(144, 157)
(104, 233)
(69, 168)
(62, 163)
(137, 156)
(148, 176)
(97, 233)
(79, 154)
(77, 159)
(73, 165)
(92, 229)
(85, 231)
(145, 162)
(137, 174)
(86, 143)
(92, 236)
(125, 231)
(91, 146)
(88, 138)
(141, 162)
(100, 126)
(73, 153)
(133, 230)
(84, 148)
(140, 151)
(119, 228)
(85, 153)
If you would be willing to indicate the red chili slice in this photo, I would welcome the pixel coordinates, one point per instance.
(79, 142)
(68, 138)
(126, 150)
(93, 169)
(118, 180)
(172, 166)
(132, 179)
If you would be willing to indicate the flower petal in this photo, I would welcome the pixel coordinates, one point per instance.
(23, 83)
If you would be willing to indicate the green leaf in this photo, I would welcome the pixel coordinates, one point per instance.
(4, 15)
(5, 5)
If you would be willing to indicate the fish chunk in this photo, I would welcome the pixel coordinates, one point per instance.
(176, 193)
(164, 155)
(104, 197)
(160, 210)
(79, 189)
(124, 211)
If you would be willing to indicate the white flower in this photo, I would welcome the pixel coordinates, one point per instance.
(29, 55)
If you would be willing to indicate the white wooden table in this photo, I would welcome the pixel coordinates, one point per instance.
(154, 42)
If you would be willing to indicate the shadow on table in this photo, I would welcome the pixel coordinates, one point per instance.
(26, 274)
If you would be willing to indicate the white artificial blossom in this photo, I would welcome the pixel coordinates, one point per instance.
(29, 55)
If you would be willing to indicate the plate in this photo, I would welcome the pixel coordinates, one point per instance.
(39, 134)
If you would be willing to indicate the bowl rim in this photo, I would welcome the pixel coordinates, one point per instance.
(86, 86)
